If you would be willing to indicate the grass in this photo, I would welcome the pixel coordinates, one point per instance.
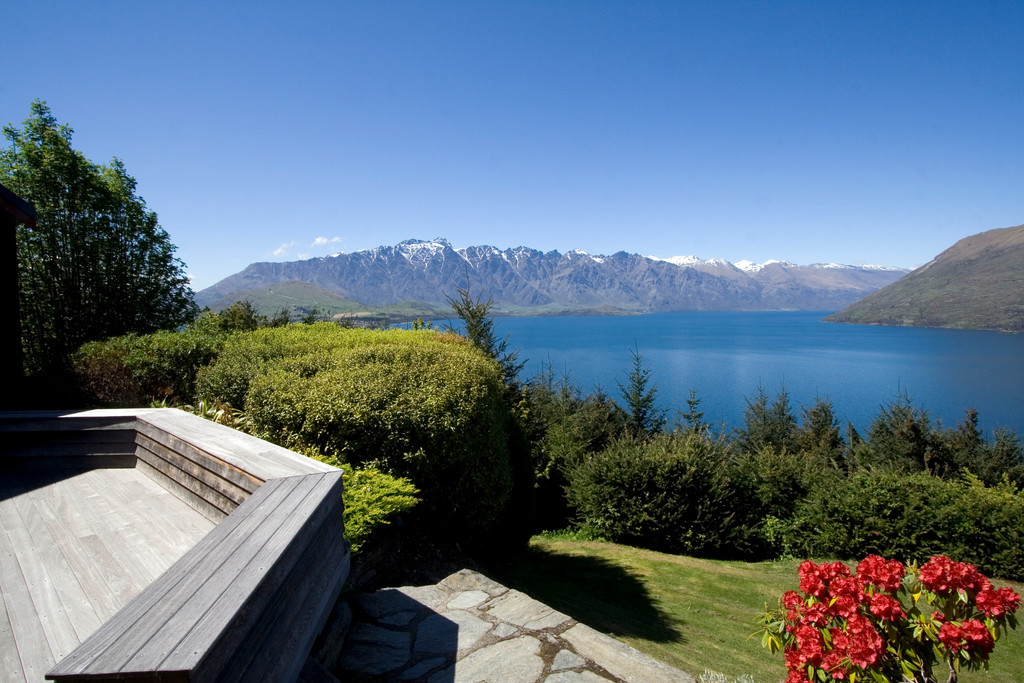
(691, 613)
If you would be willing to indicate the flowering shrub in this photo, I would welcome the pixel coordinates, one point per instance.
(886, 623)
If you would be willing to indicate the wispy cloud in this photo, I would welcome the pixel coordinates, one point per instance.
(283, 249)
(321, 241)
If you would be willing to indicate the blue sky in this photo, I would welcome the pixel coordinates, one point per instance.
(848, 131)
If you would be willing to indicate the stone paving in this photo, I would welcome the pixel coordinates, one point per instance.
(468, 628)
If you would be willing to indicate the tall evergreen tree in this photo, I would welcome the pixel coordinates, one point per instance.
(98, 264)
(819, 433)
(643, 417)
(476, 316)
(768, 423)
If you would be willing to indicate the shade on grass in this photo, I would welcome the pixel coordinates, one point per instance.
(693, 614)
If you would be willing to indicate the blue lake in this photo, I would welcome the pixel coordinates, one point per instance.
(726, 356)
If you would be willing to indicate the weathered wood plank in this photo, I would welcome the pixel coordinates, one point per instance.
(66, 511)
(25, 438)
(227, 471)
(293, 617)
(193, 475)
(121, 537)
(10, 661)
(276, 579)
(58, 631)
(260, 458)
(197, 503)
(61, 578)
(147, 613)
(29, 640)
(18, 464)
(262, 580)
(164, 523)
(58, 421)
(209, 601)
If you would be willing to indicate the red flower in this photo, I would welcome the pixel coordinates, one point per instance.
(944, 577)
(971, 636)
(951, 636)
(809, 644)
(866, 646)
(844, 606)
(886, 607)
(798, 675)
(811, 582)
(831, 570)
(886, 575)
(816, 614)
(997, 603)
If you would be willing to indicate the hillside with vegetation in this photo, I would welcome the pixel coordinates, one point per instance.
(296, 300)
(977, 283)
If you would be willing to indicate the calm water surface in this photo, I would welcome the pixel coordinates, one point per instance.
(726, 356)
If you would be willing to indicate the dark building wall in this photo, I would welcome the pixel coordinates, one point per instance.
(13, 211)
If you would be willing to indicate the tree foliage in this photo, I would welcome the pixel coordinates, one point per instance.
(98, 264)
(644, 418)
(769, 423)
(476, 316)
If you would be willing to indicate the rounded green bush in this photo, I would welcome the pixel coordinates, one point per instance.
(669, 493)
(135, 370)
(418, 404)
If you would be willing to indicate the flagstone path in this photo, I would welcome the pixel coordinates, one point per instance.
(468, 628)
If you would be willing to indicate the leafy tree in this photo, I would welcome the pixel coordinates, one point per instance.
(314, 315)
(242, 316)
(281, 318)
(644, 418)
(97, 264)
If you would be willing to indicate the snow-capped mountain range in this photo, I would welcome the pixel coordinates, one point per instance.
(522, 279)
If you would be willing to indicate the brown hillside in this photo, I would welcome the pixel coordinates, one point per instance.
(977, 283)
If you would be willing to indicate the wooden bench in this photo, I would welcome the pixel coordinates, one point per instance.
(245, 603)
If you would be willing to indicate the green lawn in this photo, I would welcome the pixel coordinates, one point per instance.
(693, 614)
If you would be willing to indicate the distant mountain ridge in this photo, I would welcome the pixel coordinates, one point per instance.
(977, 283)
(525, 280)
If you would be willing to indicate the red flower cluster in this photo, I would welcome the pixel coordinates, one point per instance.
(885, 575)
(837, 600)
(997, 603)
(971, 637)
(944, 577)
(844, 622)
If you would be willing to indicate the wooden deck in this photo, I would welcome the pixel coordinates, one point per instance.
(152, 544)
(75, 547)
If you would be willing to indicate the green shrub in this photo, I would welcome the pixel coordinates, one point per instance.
(372, 500)
(135, 370)
(912, 517)
(989, 530)
(766, 486)
(246, 356)
(418, 404)
(668, 493)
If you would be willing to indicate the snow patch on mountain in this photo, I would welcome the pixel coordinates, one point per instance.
(751, 267)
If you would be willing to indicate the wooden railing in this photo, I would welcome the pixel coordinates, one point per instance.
(245, 603)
